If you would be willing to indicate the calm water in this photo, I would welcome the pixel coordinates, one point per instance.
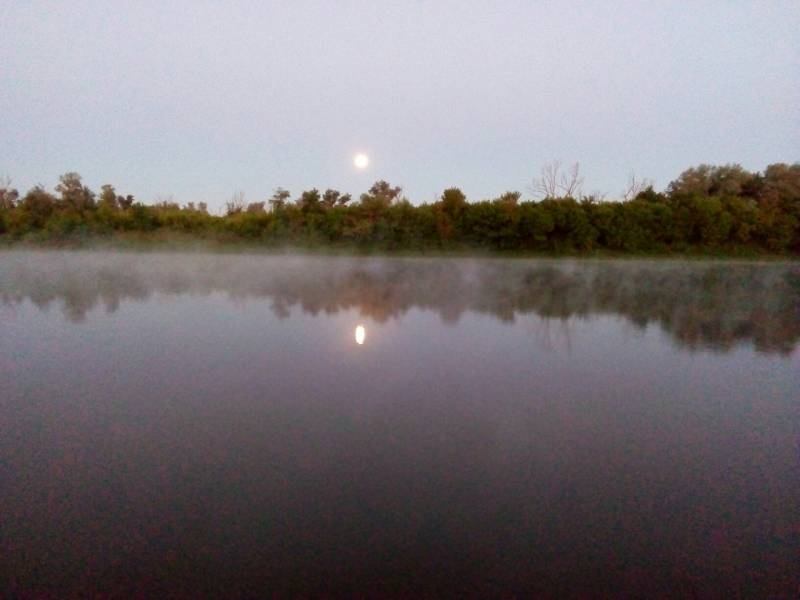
(187, 425)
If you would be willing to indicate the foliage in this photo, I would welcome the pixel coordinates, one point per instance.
(719, 209)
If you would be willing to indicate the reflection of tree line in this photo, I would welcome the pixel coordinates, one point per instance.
(700, 304)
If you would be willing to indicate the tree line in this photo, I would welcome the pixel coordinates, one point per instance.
(718, 209)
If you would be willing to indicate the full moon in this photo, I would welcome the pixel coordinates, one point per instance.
(361, 161)
(361, 335)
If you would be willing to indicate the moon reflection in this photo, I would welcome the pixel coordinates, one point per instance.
(361, 334)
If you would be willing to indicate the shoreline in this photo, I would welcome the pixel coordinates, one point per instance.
(194, 245)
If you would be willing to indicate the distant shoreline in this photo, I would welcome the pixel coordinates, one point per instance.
(176, 243)
(709, 211)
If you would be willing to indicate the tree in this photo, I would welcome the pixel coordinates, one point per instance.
(571, 227)
(635, 187)
(108, 197)
(256, 208)
(708, 180)
(333, 198)
(508, 199)
(167, 202)
(39, 204)
(74, 194)
(236, 204)
(381, 193)
(309, 201)
(278, 199)
(453, 202)
(126, 202)
(785, 178)
(783, 181)
(8, 195)
(707, 207)
(554, 183)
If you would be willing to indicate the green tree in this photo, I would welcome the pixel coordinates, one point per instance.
(38, 204)
(453, 202)
(333, 198)
(74, 195)
(108, 198)
(310, 201)
(381, 194)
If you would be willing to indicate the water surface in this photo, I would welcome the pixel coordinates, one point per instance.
(186, 425)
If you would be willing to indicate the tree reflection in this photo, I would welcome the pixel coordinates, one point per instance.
(700, 304)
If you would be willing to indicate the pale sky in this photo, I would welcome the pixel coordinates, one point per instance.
(198, 99)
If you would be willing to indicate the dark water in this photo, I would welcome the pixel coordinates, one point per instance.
(208, 425)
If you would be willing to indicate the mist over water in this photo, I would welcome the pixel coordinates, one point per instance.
(184, 425)
(699, 304)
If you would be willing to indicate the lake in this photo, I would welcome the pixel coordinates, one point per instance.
(182, 425)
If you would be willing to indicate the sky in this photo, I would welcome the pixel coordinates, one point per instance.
(196, 100)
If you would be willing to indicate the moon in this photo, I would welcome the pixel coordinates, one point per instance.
(361, 335)
(361, 161)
